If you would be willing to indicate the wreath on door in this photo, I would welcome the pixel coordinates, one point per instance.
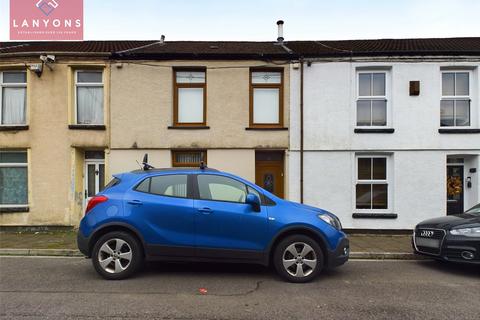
(454, 186)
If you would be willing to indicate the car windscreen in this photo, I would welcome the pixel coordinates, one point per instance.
(474, 210)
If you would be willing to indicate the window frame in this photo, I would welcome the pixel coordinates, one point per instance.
(386, 98)
(13, 85)
(17, 165)
(457, 97)
(185, 164)
(87, 84)
(281, 97)
(189, 195)
(388, 181)
(177, 85)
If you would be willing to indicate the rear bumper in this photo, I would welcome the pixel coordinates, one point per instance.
(82, 243)
(455, 249)
(340, 255)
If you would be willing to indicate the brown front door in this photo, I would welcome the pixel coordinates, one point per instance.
(269, 171)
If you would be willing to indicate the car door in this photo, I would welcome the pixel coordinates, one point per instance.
(225, 226)
(163, 208)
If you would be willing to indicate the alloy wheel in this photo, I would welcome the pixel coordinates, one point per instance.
(115, 255)
(299, 259)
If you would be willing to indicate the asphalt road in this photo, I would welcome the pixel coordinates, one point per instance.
(69, 288)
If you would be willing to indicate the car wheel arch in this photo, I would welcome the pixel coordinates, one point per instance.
(114, 226)
(298, 230)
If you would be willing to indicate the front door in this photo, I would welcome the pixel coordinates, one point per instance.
(94, 178)
(455, 189)
(269, 171)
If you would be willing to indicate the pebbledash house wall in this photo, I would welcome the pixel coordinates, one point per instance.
(55, 152)
(142, 116)
(416, 150)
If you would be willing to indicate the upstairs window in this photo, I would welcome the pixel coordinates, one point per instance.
(266, 98)
(13, 97)
(188, 158)
(372, 183)
(13, 178)
(190, 96)
(89, 97)
(372, 99)
(455, 101)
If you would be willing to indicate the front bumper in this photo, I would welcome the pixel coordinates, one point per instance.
(340, 255)
(458, 249)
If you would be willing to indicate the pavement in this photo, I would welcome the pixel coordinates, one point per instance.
(69, 288)
(362, 246)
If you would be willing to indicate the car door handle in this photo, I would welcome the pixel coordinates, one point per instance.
(135, 202)
(205, 210)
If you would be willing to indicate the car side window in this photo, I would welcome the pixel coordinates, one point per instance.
(165, 185)
(253, 191)
(219, 188)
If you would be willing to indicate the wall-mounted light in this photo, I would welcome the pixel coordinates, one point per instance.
(37, 68)
(469, 182)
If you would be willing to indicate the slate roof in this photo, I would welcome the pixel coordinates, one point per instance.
(153, 49)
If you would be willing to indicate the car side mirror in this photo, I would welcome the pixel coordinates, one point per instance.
(254, 201)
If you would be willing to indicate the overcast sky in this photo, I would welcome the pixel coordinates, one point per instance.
(255, 19)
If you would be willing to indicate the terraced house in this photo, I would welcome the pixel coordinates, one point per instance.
(74, 113)
(383, 133)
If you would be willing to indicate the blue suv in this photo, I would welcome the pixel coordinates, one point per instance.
(205, 215)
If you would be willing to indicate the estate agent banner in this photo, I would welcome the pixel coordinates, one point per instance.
(46, 19)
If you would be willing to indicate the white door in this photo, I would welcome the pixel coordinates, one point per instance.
(94, 178)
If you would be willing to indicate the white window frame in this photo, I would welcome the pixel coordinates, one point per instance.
(388, 180)
(16, 165)
(13, 85)
(386, 97)
(88, 84)
(455, 97)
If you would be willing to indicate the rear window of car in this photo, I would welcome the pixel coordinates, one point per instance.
(112, 183)
(165, 185)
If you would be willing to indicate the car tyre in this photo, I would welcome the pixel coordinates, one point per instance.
(117, 255)
(298, 259)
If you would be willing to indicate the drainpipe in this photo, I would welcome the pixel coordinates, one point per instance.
(301, 130)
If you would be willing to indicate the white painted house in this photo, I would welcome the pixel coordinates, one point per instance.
(391, 129)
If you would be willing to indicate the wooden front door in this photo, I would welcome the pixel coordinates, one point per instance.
(269, 168)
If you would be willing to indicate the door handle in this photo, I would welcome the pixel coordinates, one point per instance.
(205, 210)
(135, 202)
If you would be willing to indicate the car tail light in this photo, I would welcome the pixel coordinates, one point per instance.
(94, 201)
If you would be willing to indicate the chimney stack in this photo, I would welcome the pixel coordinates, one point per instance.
(280, 31)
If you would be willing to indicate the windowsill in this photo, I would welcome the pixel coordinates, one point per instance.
(17, 127)
(266, 128)
(189, 127)
(458, 130)
(13, 209)
(374, 215)
(374, 130)
(87, 127)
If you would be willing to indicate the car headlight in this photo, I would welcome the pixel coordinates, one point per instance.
(467, 232)
(331, 220)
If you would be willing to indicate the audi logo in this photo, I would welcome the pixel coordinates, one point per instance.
(427, 233)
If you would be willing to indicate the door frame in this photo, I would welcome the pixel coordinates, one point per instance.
(97, 163)
(456, 164)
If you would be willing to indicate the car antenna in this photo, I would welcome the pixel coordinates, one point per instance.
(146, 166)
